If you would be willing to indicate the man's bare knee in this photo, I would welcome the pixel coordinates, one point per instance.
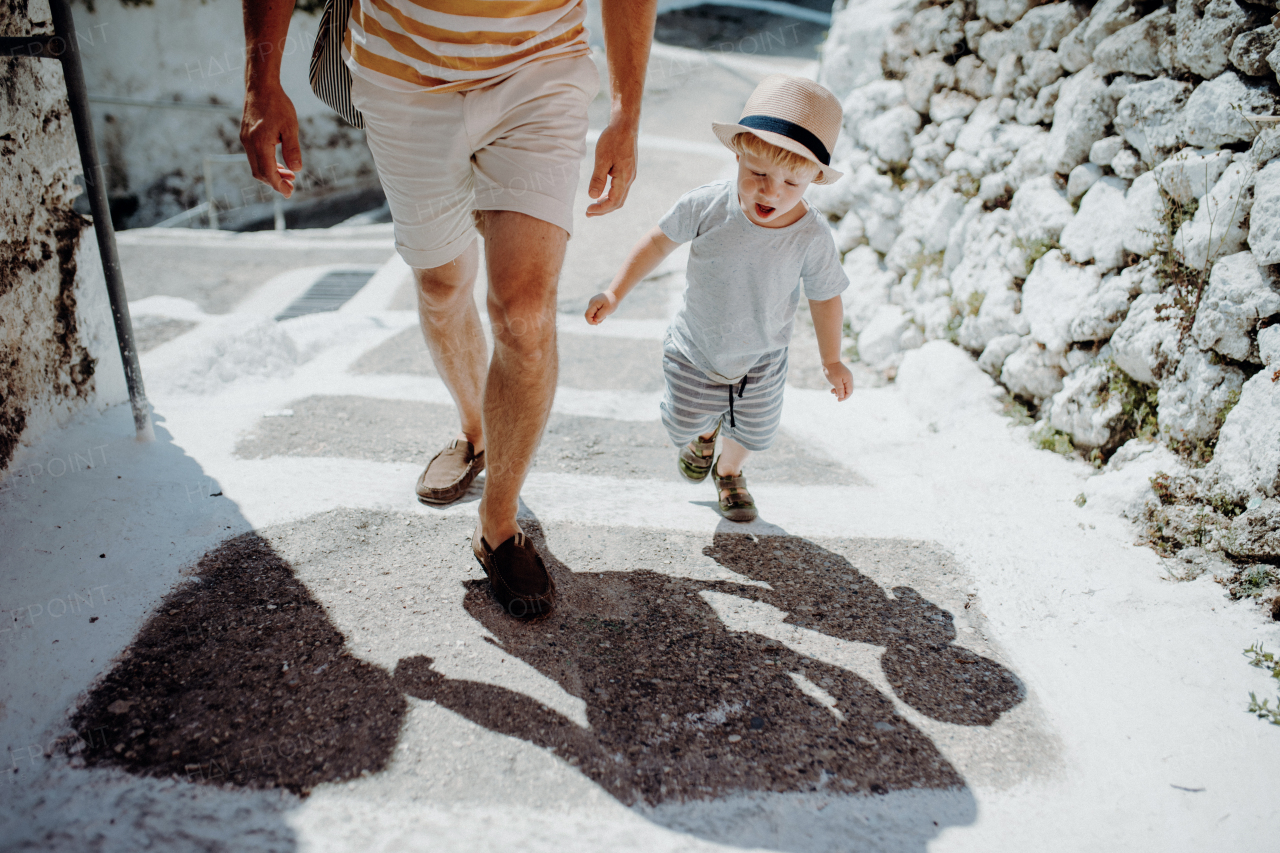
(527, 323)
(443, 288)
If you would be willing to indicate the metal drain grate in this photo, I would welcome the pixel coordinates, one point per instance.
(328, 294)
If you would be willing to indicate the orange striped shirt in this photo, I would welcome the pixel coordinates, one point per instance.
(452, 45)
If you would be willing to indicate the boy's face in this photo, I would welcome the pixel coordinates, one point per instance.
(770, 194)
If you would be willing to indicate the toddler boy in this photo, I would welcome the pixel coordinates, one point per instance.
(753, 240)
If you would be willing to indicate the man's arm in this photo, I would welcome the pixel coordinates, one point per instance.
(628, 34)
(269, 118)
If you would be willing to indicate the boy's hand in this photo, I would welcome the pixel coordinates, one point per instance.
(602, 305)
(841, 379)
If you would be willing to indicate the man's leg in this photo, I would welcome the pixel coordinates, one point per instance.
(455, 338)
(524, 256)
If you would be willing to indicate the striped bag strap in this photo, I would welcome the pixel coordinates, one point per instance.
(330, 77)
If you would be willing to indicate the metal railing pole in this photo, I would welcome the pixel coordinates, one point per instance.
(95, 185)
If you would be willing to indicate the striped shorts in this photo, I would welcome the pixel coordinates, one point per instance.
(694, 404)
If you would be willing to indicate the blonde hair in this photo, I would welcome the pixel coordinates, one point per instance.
(749, 143)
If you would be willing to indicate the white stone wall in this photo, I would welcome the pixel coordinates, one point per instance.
(1011, 167)
(192, 52)
(57, 345)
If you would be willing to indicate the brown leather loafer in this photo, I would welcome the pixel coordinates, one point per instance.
(449, 473)
(517, 575)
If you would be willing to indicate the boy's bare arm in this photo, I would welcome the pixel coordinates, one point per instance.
(644, 259)
(269, 117)
(828, 323)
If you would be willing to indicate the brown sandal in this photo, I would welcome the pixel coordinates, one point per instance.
(736, 503)
(693, 460)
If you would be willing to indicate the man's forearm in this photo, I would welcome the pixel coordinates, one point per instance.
(628, 35)
(828, 326)
(266, 26)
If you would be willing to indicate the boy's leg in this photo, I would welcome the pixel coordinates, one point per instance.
(732, 457)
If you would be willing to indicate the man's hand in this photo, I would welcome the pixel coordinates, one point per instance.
(602, 305)
(841, 379)
(269, 119)
(616, 162)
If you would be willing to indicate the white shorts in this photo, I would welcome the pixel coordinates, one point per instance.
(516, 145)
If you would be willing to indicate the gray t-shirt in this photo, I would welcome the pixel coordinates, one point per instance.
(744, 279)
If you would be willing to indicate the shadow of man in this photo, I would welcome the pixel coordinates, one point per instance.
(682, 708)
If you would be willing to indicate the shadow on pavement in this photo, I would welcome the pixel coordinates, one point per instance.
(683, 709)
(240, 677)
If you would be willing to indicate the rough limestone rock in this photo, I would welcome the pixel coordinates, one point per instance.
(1096, 233)
(1084, 109)
(1144, 229)
(1149, 117)
(1190, 403)
(1144, 48)
(1247, 458)
(1107, 17)
(929, 150)
(928, 74)
(1031, 372)
(866, 102)
(1104, 311)
(869, 283)
(1105, 150)
(832, 199)
(1205, 32)
(1008, 70)
(998, 316)
(855, 46)
(1250, 49)
(1127, 164)
(986, 145)
(1213, 115)
(850, 232)
(1269, 346)
(926, 220)
(1189, 174)
(1004, 11)
(1146, 345)
(1218, 227)
(1040, 210)
(974, 77)
(1040, 68)
(890, 134)
(937, 29)
(982, 269)
(1255, 533)
(881, 340)
(1238, 296)
(992, 359)
(1082, 409)
(1266, 146)
(950, 104)
(1040, 29)
(1051, 23)
(1053, 294)
(1264, 220)
(1081, 178)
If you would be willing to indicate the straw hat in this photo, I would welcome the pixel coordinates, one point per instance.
(792, 113)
